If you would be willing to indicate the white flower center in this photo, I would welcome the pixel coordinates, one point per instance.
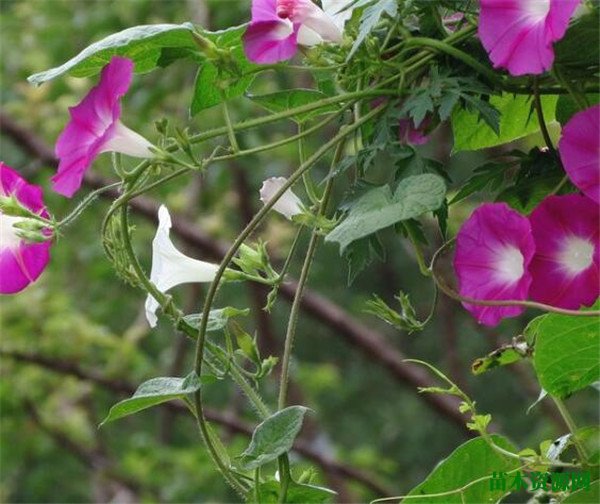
(537, 9)
(510, 264)
(576, 255)
(8, 233)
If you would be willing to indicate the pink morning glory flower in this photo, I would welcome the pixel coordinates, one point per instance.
(565, 266)
(518, 34)
(409, 134)
(579, 149)
(493, 250)
(95, 127)
(278, 26)
(21, 262)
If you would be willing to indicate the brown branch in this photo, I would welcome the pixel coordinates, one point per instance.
(230, 422)
(369, 342)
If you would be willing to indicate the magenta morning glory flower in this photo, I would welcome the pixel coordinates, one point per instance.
(565, 266)
(409, 134)
(21, 262)
(579, 149)
(95, 127)
(278, 26)
(493, 250)
(518, 34)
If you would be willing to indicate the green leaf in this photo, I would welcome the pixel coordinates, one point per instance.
(516, 121)
(585, 496)
(296, 493)
(567, 108)
(370, 17)
(142, 44)
(231, 76)
(292, 98)
(361, 253)
(153, 392)
(273, 437)
(217, 319)
(566, 353)
(488, 176)
(503, 356)
(579, 49)
(379, 208)
(472, 460)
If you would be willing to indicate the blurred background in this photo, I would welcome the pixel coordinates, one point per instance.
(77, 341)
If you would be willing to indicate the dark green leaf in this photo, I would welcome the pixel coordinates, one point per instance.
(488, 176)
(472, 460)
(153, 392)
(379, 208)
(566, 353)
(360, 254)
(579, 49)
(142, 44)
(285, 100)
(585, 496)
(567, 108)
(273, 437)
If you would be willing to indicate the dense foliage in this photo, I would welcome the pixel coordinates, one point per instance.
(402, 161)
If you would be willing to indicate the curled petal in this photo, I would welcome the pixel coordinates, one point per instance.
(565, 266)
(170, 267)
(519, 34)
(21, 262)
(493, 250)
(288, 205)
(95, 128)
(311, 16)
(270, 41)
(579, 149)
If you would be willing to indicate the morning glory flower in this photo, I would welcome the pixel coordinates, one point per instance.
(21, 261)
(518, 34)
(493, 250)
(278, 26)
(411, 135)
(288, 205)
(170, 267)
(579, 149)
(95, 127)
(564, 268)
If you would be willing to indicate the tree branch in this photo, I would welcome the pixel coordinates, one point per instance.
(371, 343)
(233, 423)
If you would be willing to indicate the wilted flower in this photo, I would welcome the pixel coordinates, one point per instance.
(565, 265)
(278, 26)
(170, 267)
(493, 250)
(95, 127)
(579, 149)
(288, 205)
(518, 34)
(21, 261)
(409, 134)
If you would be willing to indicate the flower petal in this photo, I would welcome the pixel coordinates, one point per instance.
(311, 16)
(21, 263)
(288, 205)
(565, 266)
(518, 34)
(337, 11)
(170, 267)
(270, 41)
(94, 123)
(493, 250)
(579, 149)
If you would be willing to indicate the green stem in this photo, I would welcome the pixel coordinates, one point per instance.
(445, 47)
(537, 102)
(284, 477)
(88, 200)
(564, 413)
(232, 480)
(309, 185)
(230, 133)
